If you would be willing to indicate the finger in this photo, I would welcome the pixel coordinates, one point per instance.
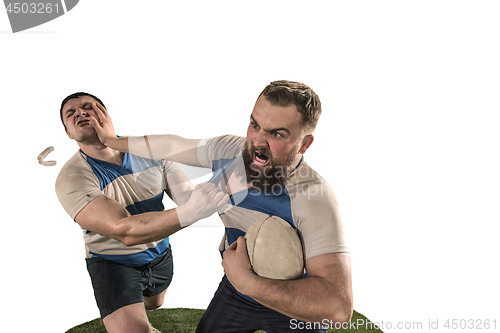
(216, 193)
(224, 208)
(221, 199)
(210, 189)
(209, 186)
(198, 186)
(95, 122)
(100, 113)
(242, 242)
(242, 245)
(232, 247)
(101, 107)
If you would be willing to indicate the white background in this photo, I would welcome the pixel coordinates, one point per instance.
(408, 139)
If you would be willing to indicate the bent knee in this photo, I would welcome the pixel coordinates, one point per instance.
(152, 304)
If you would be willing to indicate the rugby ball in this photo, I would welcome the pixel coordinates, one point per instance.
(275, 249)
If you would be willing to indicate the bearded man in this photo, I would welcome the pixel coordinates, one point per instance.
(275, 181)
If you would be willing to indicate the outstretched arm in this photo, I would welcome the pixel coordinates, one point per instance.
(170, 147)
(107, 217)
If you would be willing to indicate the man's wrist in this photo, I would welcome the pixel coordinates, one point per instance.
(249, 286)
(184, 216)
(108, 141)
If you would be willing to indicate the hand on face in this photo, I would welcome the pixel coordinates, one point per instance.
(102, 123)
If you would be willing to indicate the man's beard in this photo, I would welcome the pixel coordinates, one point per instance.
(272, 177)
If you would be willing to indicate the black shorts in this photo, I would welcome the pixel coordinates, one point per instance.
(230, 312)
(116, 285)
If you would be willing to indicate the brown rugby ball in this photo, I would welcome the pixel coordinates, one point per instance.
(275, 249)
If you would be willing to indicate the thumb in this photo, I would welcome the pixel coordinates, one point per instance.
(233, 246)
(241, 243)
(242, 247)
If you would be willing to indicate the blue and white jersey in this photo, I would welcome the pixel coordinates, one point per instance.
(306, 202)
(138, 185)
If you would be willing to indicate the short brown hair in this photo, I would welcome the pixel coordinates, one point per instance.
(284, 92)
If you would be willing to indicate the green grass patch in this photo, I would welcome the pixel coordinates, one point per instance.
(181, 320)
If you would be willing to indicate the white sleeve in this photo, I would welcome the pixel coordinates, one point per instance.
(169, 168)
(226, 146)
(76, 186)
(319, 221)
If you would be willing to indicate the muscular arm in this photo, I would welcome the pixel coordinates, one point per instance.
(167, 146)
(325, 294)
(107, 217)
(170, 147)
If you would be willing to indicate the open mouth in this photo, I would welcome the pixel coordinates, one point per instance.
(261, 159)
(83, 122)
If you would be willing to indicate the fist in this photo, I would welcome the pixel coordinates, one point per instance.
(205, 200)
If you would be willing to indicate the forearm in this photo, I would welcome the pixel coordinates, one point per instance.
(147, 227)
(157, 147)
(205, 200)
(170, 147)
(310, 299)
(117, 143)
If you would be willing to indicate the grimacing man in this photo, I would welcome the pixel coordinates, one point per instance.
(116, 198)
(276, 181)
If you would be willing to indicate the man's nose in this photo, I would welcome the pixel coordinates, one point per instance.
(81, 112)
(259, 141)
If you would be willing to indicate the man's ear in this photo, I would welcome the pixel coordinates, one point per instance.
(306, 143)
(68, 133)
